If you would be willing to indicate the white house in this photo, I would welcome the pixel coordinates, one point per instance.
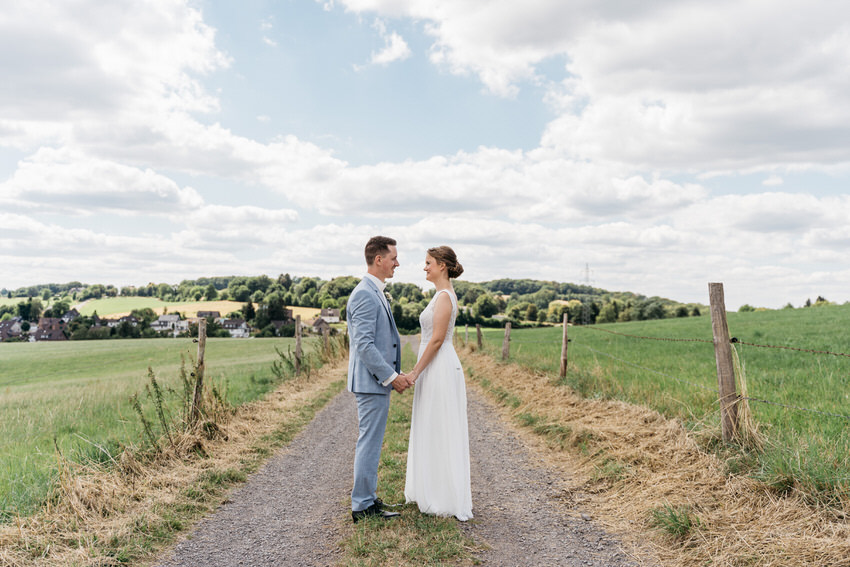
(170, 323)
(330, 315)
(181, 326)
(237, 328)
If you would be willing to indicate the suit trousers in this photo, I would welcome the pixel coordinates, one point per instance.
(372, 411)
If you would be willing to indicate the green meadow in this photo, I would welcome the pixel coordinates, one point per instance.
(806, 448)
(10, 300)
(75, 396)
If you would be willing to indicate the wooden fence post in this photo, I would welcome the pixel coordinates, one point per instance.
(326, 339)
(480, 338)
(725, 368)
(297, 345)
(563, 372)
(199, 371)
(466, 336)
(506, 342)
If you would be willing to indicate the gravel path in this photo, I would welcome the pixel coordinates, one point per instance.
(292, 511)
(518, 505)
(288, 512)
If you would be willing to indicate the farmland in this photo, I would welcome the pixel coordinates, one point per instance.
(117, 306)
(9, 300)
(77, 393)
(807, 448)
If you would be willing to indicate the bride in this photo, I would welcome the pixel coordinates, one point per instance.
(438, 452)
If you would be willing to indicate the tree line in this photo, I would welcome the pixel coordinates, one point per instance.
(524, 302)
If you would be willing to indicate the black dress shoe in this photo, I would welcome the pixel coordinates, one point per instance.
(373, 510)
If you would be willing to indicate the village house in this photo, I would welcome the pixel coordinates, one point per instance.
(48, 335)
(330, 315)
(165, 323)
(128, 319)
(10, 329)
(237, 328)
(317, 326)
(51, 324)
(98, 321)
(70, 315)
(49, 329)
(208, 314)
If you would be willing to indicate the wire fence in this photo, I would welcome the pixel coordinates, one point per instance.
(733, 341)
(653, 371)
(802, 435)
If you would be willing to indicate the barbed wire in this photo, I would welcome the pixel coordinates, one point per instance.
(750, 398)
(731, 340)
(651, 370)
(799, 408)
(644, 337)
(740, 342)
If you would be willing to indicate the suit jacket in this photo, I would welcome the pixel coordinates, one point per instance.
(374, 343)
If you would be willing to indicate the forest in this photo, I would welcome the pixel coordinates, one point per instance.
(523, 302)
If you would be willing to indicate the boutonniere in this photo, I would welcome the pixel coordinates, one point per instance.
(388, 296)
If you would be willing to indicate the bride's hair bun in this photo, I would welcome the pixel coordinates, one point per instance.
(454, 271)
(447, 256)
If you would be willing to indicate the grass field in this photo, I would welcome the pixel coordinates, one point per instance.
(78, 394)
(806, 449)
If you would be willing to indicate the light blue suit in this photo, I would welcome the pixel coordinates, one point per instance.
(374, 355)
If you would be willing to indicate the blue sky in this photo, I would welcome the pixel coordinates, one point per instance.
(306, 70)
(663, 144)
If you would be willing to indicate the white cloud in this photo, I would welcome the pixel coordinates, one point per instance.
(662, 85)
(395, 48)
(109, 109)
(72, 183)
(242, 220)
(76, 66)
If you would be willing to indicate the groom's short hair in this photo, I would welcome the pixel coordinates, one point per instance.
(377, 246)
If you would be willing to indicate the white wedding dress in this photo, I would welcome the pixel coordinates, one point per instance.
(438, 453)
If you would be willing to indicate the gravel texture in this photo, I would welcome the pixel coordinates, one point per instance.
(294, 510)
(288, 513)
(519, 505)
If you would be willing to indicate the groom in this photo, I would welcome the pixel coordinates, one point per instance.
(373, 371)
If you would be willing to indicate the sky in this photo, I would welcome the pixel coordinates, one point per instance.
(651, 147)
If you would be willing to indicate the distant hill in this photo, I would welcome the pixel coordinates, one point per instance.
(521, 300)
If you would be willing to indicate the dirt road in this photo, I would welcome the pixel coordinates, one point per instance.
(295, 509)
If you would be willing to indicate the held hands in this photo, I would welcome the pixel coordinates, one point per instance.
(403, 382)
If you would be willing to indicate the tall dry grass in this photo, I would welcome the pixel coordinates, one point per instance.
(124, 511)
(635, 470)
